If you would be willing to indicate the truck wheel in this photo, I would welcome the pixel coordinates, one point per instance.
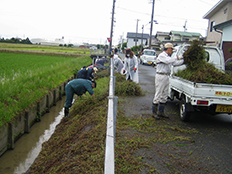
(184, 115)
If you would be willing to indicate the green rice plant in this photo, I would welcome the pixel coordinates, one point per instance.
(25, 78)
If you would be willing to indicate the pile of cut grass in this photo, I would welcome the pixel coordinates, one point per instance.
(200, 71)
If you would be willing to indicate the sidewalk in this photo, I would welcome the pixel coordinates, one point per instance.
(142, 105)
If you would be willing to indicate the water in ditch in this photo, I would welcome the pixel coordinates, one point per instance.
(27, 148)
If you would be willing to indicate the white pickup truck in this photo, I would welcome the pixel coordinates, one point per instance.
(193, 97)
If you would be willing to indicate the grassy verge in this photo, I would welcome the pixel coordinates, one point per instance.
(78, 144)
(25, 78)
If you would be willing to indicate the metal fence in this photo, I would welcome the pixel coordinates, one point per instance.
(111, 123)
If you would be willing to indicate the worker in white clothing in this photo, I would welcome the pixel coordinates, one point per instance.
(163, 70)
(130, 64)
(117, 61)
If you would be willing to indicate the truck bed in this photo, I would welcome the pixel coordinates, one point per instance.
(213, 93)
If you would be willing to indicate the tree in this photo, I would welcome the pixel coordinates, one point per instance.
(124, 45)
(16, 40)
(26, 41)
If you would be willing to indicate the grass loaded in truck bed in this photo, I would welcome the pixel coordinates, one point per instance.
(200, 71)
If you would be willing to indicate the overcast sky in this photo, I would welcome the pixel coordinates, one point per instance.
(89, 21)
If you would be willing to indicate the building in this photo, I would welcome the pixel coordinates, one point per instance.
(139, 37)
(218, 14)
(161, 37)
(226, 39)
(39, 41)
(184, 36)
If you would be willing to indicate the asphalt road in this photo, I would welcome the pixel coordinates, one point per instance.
(212, 147)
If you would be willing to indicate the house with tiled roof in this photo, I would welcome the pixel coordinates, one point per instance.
(161, 37)
(220, 26)
(220, 13)
(184, 36)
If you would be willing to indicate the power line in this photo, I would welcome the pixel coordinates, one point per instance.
(133, 11)
(148, 14)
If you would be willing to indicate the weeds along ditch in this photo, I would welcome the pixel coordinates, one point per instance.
(25, 78)
(78, 143)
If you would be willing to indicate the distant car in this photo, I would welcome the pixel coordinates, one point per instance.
(148, 57)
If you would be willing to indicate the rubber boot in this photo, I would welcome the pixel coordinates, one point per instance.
(66, 112)
(154, 111)
(160, 111)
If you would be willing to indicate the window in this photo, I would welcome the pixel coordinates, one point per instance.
(212, 24)
(225, 10)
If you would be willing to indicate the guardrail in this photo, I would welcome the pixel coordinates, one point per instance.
(111, 123)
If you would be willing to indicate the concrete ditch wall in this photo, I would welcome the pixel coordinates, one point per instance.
(22, 123)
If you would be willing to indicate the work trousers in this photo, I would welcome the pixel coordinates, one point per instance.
(161, 88)
(69, 92)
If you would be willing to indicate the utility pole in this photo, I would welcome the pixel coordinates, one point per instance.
(142, 40)
(136, 36)
(153, 3)
(112, 25)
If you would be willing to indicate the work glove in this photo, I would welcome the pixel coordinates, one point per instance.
(135, 69)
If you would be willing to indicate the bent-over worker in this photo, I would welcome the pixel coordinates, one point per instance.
(86, 73)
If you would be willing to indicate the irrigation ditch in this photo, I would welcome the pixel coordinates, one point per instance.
(21, 124)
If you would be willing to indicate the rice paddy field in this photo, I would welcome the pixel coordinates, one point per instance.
(44, 48)
(26, 77)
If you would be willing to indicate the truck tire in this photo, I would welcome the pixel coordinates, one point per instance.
(184, 115)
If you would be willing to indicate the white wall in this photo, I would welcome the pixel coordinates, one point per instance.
(131, 42)
(227, 33)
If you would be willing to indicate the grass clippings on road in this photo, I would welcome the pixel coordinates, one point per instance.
(143, 145)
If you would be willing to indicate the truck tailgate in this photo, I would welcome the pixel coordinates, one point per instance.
(216, 93)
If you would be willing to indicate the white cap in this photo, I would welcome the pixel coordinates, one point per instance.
(168, 45)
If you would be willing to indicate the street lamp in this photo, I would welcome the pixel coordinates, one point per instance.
(155, 21)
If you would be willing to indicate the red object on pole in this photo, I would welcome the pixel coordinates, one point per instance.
(109, 39)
